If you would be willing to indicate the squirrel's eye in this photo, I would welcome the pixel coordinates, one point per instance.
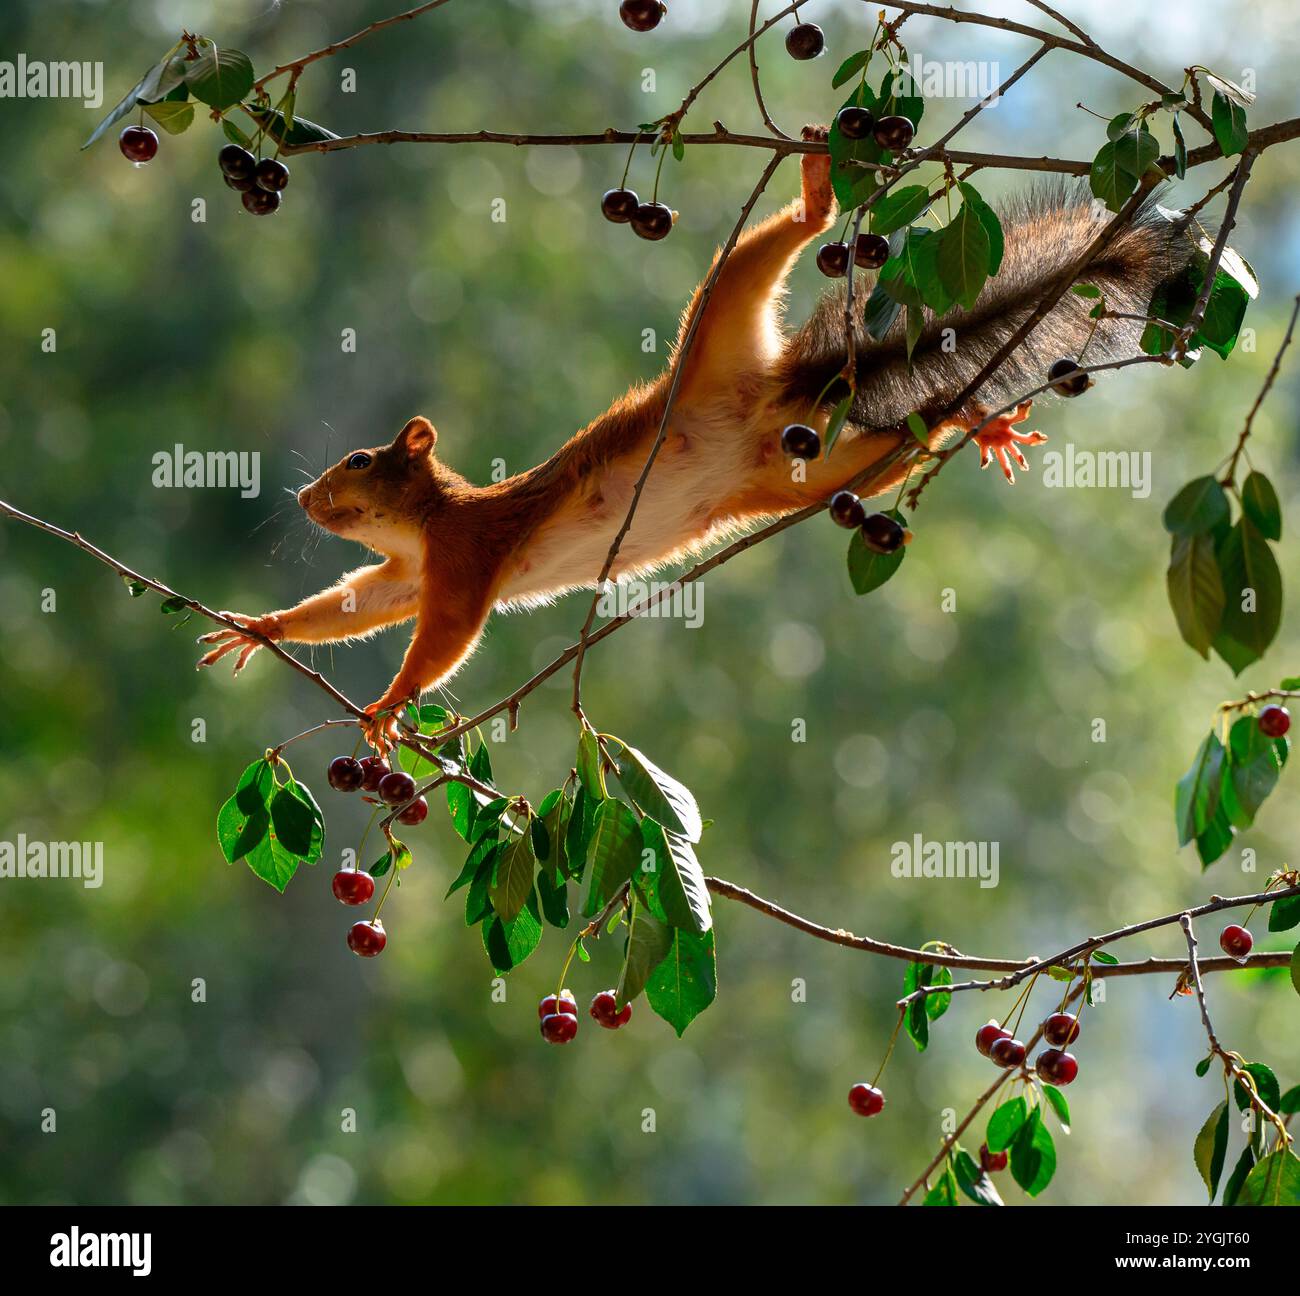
(359, 460)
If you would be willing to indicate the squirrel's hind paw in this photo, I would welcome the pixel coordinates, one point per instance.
(1000, 441)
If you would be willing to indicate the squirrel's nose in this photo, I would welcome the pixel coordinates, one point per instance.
(304, 496)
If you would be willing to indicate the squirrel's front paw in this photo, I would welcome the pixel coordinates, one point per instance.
(380, 727)
(266, 627)
(1000, 442)
(818, 196)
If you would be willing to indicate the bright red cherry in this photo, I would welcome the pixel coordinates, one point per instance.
(415, 813)
(866, 1099)
(559, 1028)
(992, 1162)
(367, 938)
(566, 1003)
(1235, 941)
(1007, 1052)
(1056, 1067)
(353, 887)
(1274, 721)
(1061, 1029)
(989, 1035)
(605, 1010)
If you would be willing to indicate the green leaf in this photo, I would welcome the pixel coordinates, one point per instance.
(554, 897)
(171, 605)
(854, 184)
(174, 118)
(1109, 179)
(900, 96)
(300, 131)
(1100, 956)
(989, 219)
(1248, 567)
(1274, 1181)
(219, 77)
(1211, 1147)
(963, 256)
(1033, 1155)
(937, 1004)
(159, 81)
(589, 760)
(1059, 1105)
(917, 1021)
(234, 134)
(1195, 590)
(835, 425)
(513, 884)
(477, 904)
(484, 849)
(613, 855)
(681, 892)
(293, 822)
(899, 207)
(916, 426)
(658, 794)
(1201, 507)
(1005, 1124)
(509, 943)
(869, 570)
(577, 837)
(648, 943)
(685, 982)
(1224, 313)
(1197, 796)
(850, 68)
(1229, 121)
(1284, 914)
(460, 802)
(1289, 1104)
(1254, 766)
(272, 861)
(302, 793)
(1180, 150)
(973, 1181)
(1295, 968)
(1229, 89)
(1265, 1083)
(1232, 1189)
(246, 817)
(1136, 150)
(1260, 503)
(944, 1193)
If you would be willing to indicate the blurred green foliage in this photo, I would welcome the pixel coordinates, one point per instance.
(973, 725)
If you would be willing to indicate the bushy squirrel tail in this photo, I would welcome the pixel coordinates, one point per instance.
(1046, 231)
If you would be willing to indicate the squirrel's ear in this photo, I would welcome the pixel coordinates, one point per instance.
(417, 438)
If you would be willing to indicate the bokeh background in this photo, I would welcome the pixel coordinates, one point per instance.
(971, 726)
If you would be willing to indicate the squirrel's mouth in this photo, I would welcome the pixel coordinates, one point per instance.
(333, 517)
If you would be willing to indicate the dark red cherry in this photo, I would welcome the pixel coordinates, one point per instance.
(619, 205)
(894, 133)
(992, 1162)
(1067, 379)
(1060, 1029)
(605, 1010)
(833, 259)
(805, 42)
(261, 202)
(241, 184)
(345, 774)
(237, 163)
(353, 887)
(138, 144)
(855, 123)
(566, 1003)
(367, 938)
(866, 1099)
(559, 1028)
(642, 15)
(653, 221)
(373, 768)
(989, 1035)
(799, 441)
(1235, 941)
(882, 533)
(871, 251)
(1274, 721)
(1007, 1052)
(396, 787)
(1056, 1067)
(847, 509)
(415, 813)
(271, 175)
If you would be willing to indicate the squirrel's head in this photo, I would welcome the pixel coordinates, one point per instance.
(378, 497)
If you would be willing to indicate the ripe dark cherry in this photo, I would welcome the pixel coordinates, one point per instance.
(605, 1010)
(1235, 941)
(271, 175)
(805, 42)
(1061, 1029)
(236, 162)
(367, 938)
(833, 259)
(138, 144)
(799, 441)
(261, 202)
(642, 15)
(882, 533)
(619, 205)
(566, 1003)
(1056, 1067)
(353, 887)
(992, 1162)
(1066, 378)
(894, 133)
(652, 221)
(989, 1035)
(847, 509)
(373, 768)
(345, 774)
(559, 1028)
(1007, 1052)
(415, 813)
(855, 123)
(871, 251)
(396, 787)
(1274, 721)
(866, 1099)
(241, 184)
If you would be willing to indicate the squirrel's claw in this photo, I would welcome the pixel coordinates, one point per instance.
(229, 640)
(380, 727)
(1000, 440)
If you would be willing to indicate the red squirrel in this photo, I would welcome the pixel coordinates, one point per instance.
(452, 550)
